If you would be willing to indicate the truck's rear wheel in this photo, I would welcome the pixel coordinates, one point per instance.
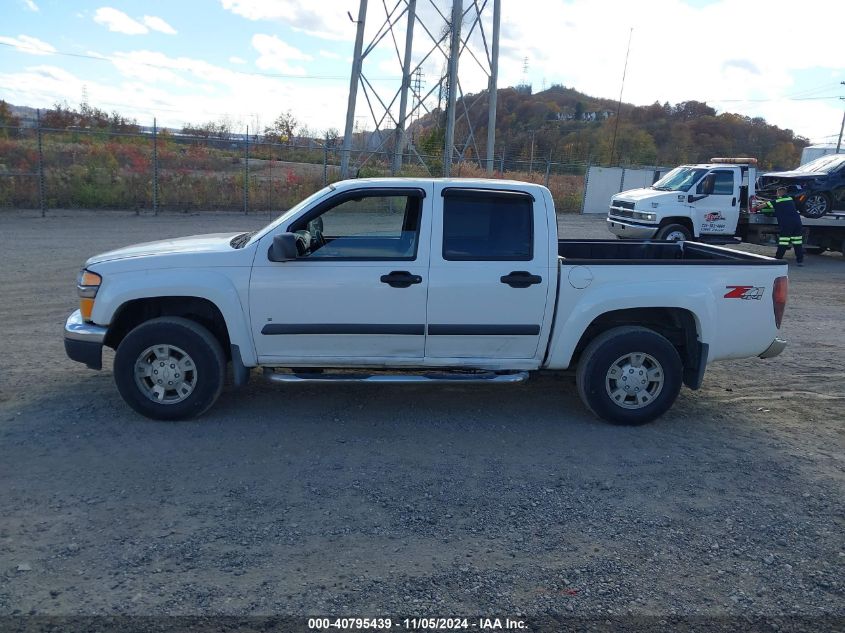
(673, 233)
(629, 375)
(169, 368)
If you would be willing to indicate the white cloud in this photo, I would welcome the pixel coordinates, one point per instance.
(27, 44)
(330, 55)
(148, 66)
(30, 4)
(212, 93)
(274, 54)
(312, 18)
(158, 24)
(118, 21)
(234, 59)
(678, 52)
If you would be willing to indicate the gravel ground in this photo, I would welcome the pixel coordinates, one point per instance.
(419, 500)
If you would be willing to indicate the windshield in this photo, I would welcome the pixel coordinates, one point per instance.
(293, 210)
(680, 179)
(823, 165)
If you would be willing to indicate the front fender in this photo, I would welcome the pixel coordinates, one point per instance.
(577, 309)
(219, 286)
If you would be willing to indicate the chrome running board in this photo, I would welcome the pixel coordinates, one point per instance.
(425, 378)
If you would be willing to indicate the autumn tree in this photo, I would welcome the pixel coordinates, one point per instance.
(283, 129)
(7, 120)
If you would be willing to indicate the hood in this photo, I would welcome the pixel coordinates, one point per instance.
(635, 195)
(212, 243)
(794, 174)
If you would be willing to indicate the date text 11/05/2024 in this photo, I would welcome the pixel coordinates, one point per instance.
(417, 624)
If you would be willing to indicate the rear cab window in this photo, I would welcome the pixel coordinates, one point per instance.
(486, 225)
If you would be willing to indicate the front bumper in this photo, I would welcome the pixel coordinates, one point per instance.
(631, 230)
(774, 349)
(84, 341)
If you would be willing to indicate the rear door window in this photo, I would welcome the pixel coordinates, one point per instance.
(481, 226)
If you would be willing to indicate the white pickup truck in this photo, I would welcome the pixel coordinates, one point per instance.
(422, 280)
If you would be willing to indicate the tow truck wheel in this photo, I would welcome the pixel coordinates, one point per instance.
(629, 375)
(816, 205)
(169, 368)
(673, 233)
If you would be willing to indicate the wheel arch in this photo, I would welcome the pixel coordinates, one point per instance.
(132, 313)
(678, 325)
(683, 221)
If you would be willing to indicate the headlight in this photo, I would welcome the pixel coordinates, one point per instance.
(87, 285)
(642, 215)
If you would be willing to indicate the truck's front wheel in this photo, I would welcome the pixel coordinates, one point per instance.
(673, 233)
(169, 368)
(629, 375)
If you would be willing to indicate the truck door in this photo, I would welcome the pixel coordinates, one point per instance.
(716, 202)
(488, 277)
(357, 291)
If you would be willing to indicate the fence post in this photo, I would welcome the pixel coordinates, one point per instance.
(326, 160)
(502, 163)
(41, 201)
(246, 172)
(155, 169)
(548, 168)
(586, 185)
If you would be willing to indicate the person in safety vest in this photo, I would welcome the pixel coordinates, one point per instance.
(789, 225)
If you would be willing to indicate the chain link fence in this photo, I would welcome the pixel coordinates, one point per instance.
(155, 170)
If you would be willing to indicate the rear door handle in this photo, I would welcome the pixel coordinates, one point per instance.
(521, 279)
(733, 202)
(400, 279)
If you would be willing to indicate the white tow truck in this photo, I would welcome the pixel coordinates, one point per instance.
(713, 202)
(422, 280)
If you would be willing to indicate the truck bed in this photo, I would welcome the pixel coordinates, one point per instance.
(653, 252)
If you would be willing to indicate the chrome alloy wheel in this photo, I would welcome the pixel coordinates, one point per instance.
(165, 374)
(675, 236)
(815, 206)
(634, 380)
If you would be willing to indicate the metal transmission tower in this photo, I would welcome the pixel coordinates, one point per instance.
(448, 37)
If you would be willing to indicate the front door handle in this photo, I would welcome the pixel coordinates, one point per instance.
(400, 279)
(521, 279)
(733, 202)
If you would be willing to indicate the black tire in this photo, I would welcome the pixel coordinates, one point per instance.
(203, 351)
(816, 205)
(664, 233)
(603, 352)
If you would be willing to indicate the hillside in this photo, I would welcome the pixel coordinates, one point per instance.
(574, 127)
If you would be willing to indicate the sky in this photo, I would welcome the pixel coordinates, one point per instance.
(247, 61)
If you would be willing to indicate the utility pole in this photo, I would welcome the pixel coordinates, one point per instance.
(353, 89)
(841, 127)
(621, 88)
(399, 141)
(452, 78)
(493, 90)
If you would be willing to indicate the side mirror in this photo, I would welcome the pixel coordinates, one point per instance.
(283, 248)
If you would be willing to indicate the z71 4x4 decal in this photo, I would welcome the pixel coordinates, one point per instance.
(745, 292)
